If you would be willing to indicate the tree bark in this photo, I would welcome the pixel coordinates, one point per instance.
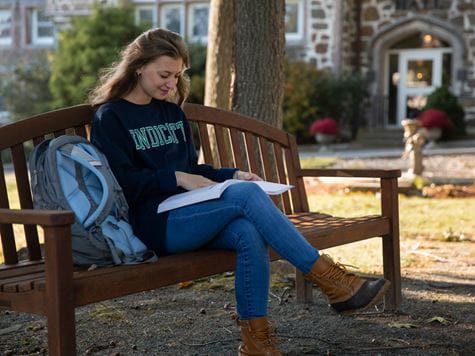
(244, 68)
(219, 58)
(257, 90)
(219, 61)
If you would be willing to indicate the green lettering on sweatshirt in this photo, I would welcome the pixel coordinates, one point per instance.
(158, 135)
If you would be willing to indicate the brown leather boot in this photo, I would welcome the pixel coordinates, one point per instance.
(345, 291)
(257, 338)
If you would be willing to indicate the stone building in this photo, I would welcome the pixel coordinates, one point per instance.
(25, 30)
(406, 48)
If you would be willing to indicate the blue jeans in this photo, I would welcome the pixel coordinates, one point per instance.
(245, 220)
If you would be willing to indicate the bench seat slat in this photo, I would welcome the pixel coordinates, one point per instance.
(19, 283)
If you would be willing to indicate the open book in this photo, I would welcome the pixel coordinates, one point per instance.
(214, 191)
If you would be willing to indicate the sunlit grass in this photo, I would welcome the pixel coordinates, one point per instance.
(419, 218)
(14, 201)
(428, 217)
(317, 162)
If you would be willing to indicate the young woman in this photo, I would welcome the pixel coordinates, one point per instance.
(146, 137)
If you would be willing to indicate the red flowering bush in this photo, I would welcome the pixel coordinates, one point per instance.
(435, 118)
(326, 126)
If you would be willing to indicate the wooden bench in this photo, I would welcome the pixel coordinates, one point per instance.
(48, 284)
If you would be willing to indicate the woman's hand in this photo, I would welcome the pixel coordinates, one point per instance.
(246, 176)
(192, 181)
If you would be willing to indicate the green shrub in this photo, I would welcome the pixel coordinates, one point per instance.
(196, 72)
(300, 100)
(25, 90)
(310, 94)
(442, 99)
(91, 44)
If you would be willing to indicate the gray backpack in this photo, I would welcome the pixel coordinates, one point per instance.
(69, 173)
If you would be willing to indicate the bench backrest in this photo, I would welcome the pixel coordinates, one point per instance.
(242, 142)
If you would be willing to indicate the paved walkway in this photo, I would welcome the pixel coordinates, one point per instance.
(349, 151)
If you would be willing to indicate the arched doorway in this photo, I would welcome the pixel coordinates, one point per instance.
(414, 68)
(409, 60)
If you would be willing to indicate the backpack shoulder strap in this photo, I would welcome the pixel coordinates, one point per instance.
(87, 161)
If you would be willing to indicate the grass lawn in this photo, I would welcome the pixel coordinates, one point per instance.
(317, 162)
(420, 218)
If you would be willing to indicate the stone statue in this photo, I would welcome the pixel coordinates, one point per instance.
(414, 140)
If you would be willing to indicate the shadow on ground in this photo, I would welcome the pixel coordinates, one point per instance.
(435, 318)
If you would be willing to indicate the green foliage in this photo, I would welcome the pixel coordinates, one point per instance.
(91, 44)
(310, 94)
(25, 91)
(197, 53)
(300, 103)
(443, 99)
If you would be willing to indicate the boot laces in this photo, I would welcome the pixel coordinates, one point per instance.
(267, 338)
(339, 272)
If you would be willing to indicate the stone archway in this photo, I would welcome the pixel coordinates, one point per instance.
(382, 41)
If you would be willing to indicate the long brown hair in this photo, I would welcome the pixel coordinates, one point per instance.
(121, 78)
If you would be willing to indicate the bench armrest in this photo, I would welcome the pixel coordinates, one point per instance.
(36, 217)
(355, 173)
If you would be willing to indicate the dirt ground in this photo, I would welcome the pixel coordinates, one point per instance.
(437, 315)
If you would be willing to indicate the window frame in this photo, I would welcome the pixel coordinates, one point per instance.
(149, 6)
(181, 8)
(191, 37)
(7, 41)
(35, 25)
(296, 36)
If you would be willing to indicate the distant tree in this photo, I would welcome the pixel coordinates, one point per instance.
(92, 43)
(196, 72)
(25, 91)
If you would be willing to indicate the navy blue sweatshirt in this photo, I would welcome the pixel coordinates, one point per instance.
(145, 145)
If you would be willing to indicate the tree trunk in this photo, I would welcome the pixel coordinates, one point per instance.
(259, 54)
(219, 61)
(244, 68)
(219, 58)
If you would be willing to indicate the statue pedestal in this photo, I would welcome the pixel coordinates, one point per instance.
(414, 140)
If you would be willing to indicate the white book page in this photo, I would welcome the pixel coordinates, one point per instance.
(213, 192)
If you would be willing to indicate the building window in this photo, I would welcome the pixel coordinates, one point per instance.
(146, 15)
(293, 20)
(5, 27)
(198, 20)
(172, 17)
(42, 28)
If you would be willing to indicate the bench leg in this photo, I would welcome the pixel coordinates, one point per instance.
(391, 254)
(61, 330)
(392, 271)
(303, 288)
(59, 291)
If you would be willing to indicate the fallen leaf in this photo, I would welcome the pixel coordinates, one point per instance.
(438, 319)
(400, 325)
(184, 285)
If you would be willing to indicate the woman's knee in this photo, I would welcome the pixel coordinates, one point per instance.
(242, 191)
(246, 235)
